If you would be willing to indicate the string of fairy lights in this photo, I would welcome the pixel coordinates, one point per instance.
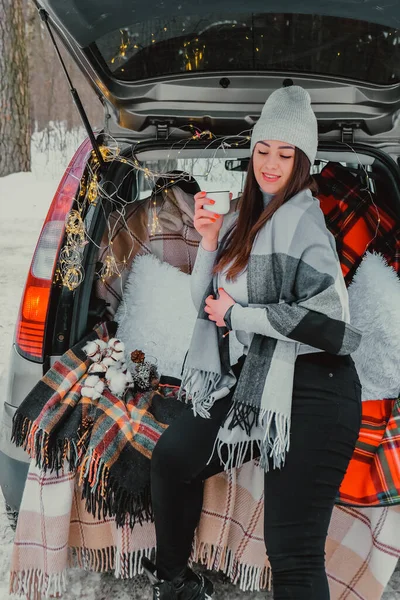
(70, 271)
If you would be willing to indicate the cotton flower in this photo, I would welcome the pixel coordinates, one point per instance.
(116, 345)
(97, 369)
(110, 361)
(98, 389)
(93, 387)
(109, 364)
(116, 381)
(95, 350)
(102, 344)
(91, 349)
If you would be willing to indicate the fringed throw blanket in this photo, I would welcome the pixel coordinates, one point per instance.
(55, 532)
(108, 442)
(294, 278)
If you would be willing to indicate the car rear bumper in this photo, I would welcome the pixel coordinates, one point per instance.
(20, 376)
(13, 475)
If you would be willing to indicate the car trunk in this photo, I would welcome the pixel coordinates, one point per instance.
(196, 75)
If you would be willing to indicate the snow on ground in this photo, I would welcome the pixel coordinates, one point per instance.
(24, 201)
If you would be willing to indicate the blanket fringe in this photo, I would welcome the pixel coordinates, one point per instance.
(249, 577)
(48, 454)
(34, 584)
(105, 497)
(124, 565)
(130, 565)
(89, 559)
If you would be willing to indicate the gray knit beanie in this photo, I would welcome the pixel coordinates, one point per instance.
(287, 116)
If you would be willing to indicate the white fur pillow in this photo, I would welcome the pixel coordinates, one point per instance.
(375, 309)
(157, 314)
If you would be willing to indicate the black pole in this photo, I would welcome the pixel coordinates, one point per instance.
(75, 96)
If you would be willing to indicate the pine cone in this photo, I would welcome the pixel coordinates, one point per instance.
(87, 422)
(137, 356)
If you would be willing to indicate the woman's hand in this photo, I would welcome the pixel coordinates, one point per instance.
(216, 309)
(208, 224)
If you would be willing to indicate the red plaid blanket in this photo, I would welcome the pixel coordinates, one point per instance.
(356, 219)
(373, 475)
(359, 223)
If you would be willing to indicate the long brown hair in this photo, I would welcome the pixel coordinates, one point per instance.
(238, 241)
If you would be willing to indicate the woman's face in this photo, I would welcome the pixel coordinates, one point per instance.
(273, 165)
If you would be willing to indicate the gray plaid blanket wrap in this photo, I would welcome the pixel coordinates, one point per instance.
(294, 275)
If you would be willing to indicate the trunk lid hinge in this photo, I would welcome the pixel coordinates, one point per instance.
(75, 96)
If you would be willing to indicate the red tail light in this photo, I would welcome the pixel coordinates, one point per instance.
(31, 324)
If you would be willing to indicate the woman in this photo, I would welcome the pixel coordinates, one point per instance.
(293, 398)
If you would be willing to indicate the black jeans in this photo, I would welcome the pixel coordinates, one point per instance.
(299, 498)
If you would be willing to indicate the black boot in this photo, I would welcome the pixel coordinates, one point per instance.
(187, 586)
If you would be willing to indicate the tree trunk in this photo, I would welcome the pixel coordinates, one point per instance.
(15, 128)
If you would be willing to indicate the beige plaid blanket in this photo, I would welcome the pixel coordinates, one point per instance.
(54, 531)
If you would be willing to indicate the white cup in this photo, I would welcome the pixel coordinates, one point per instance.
(222, 202)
